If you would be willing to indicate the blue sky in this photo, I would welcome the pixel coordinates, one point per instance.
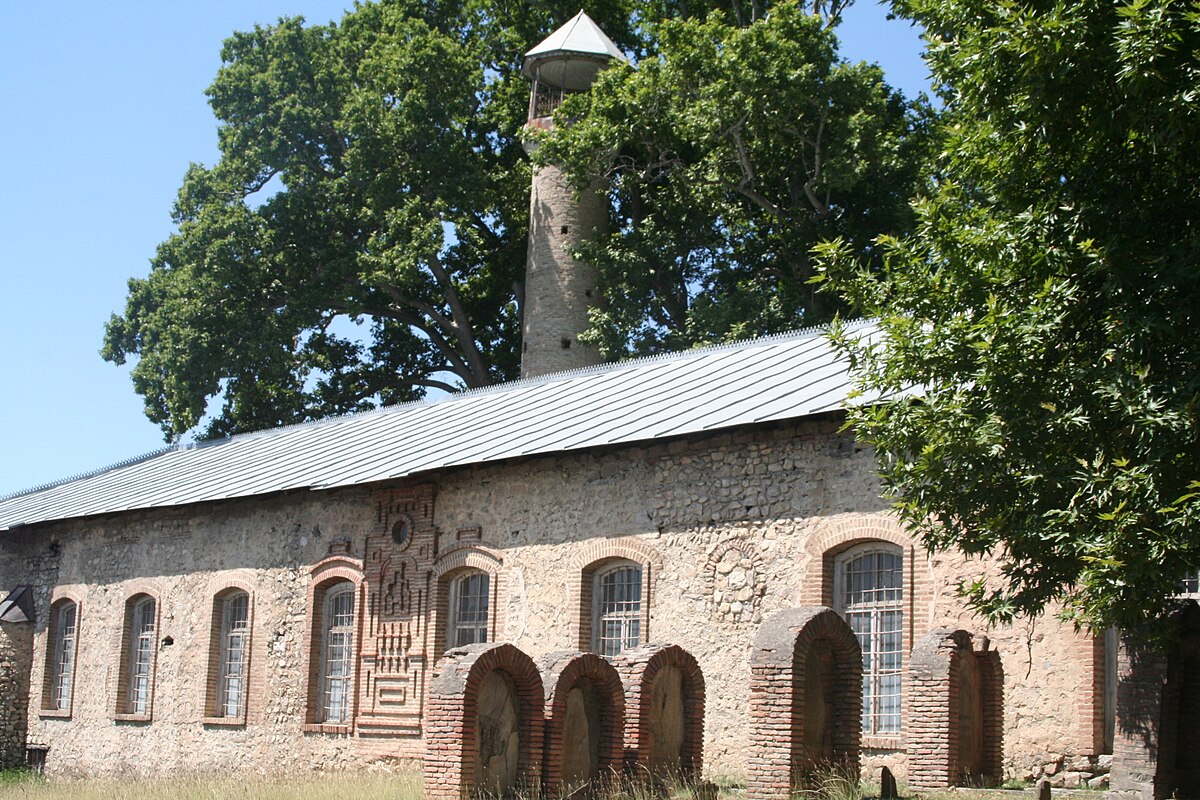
(104, 109)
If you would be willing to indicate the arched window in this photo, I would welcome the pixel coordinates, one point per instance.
(337, 653)
(139, 650)
(231, 650)
(64, 626)
(468, 609)
(869, 593)
(617, 607)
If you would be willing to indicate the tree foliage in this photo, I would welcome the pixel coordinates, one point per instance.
(1047, 307)
(370, 172)
(732, 149)
(372, 175)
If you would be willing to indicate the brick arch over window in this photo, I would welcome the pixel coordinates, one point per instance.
(452, 746)
(563, 672)
(229, 670)
(827, 550)
(640, 669)
(797, 653)
(325, 575)
(593, 560)
(454, 564)
(136, 651)
(62, 653)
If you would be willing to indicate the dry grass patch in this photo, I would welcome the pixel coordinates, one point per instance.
(398, 785)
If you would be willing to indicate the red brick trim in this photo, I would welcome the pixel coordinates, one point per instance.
(134, 591)
(451, 564)
(324, 574)
(780, 758)
(594, 558)
(220, 589)
(452, 723)
(851, 532)
(935, 753)
(639, 667)
(58, 596)
(562, 672)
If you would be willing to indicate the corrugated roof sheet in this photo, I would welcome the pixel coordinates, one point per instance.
(776, 378)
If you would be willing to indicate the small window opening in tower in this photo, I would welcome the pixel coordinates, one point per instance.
(566, 344)
(564, 230)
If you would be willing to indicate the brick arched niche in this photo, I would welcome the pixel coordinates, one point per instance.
(585, 715)
(955, 711)
(485, 724)
(805, 700)
(1156, 749)
(664, 710)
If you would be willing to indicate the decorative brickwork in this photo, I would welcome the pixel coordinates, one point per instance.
(585, 715)
(664, 710)
(16, 660)
(955, 727)
(805, 699)
(484, 723)
(328, 574)
(1156, 752)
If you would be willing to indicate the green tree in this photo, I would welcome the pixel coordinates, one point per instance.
(1047, 307)
(738, 142)
(370, 171)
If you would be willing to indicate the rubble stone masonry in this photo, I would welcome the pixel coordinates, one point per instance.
(729, 529)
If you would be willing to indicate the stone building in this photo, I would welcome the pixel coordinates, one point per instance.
(280, 600)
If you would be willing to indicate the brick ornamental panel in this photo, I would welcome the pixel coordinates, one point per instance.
(452, 717)
(780, 714)
(640, 669)
(956, 719)
(567, 670)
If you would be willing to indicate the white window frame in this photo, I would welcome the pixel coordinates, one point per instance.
(335, 699)
(466, 622)
(141, 649)
(609, 613)
(877, 720)
(233, 654)
(62, 672)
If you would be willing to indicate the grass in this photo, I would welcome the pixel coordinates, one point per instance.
(405, 784)
(398, 785)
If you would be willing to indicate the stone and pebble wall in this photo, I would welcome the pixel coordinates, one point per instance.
(740, 525)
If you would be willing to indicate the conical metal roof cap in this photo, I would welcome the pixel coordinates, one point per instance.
(581, 36)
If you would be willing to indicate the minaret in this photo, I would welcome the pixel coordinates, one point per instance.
(558, 288)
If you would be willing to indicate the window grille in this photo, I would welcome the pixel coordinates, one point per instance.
(869, 593)
(63, 669)
(468, 610)
(337, 666)
(1189, 585)
(235, 645)
(141, 656)
(617, 604)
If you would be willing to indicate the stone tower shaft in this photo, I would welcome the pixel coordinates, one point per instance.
(559, 288)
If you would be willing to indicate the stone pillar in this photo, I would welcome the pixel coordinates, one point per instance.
(585, 720)
(955, 712)
(805, 700)
(559, 289)
(485, 728)
(664, 710)
(16, 661)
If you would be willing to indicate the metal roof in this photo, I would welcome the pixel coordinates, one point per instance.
(775, 378)
(579, 36)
